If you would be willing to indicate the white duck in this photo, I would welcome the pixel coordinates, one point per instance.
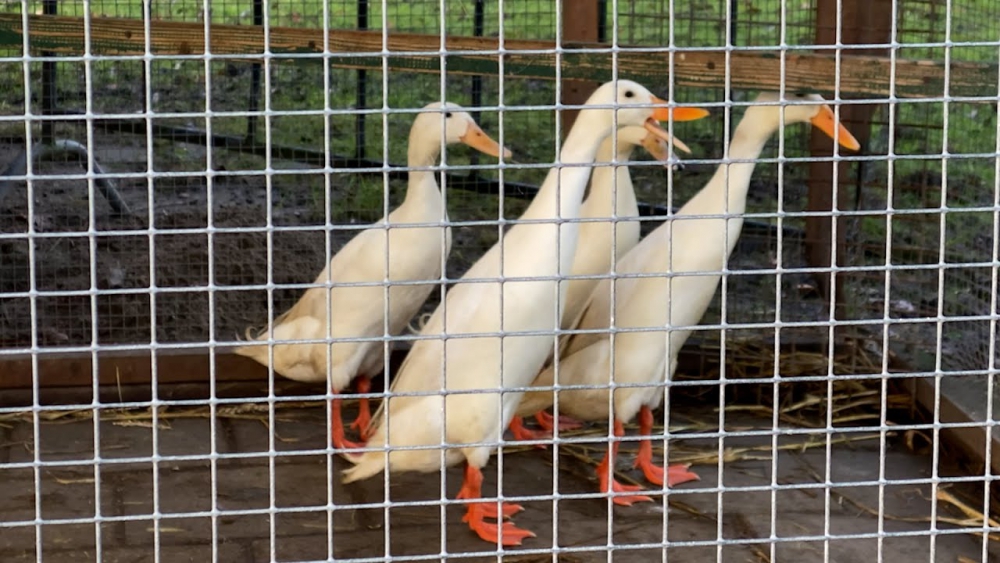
(686, 244)
(611, 198)
(453, 384)
(417, 253)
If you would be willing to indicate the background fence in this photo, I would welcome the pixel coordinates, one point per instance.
(233, 89)
(917, 217)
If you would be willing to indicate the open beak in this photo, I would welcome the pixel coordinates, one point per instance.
(658, 132)
(475, 138)
(668, 114)
(826, 122)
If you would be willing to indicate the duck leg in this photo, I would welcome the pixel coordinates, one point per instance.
(547, 421)
(608, 482)
(675, 474)
(363, 384)
(506, 533)
(337, 436)
(522, 433)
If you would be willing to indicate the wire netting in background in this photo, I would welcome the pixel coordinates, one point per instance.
(933, 211)
(217, 224)
(242, 196)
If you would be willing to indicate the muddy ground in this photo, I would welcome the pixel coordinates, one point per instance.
(121, 249)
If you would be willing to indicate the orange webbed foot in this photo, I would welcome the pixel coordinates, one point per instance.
(523, 433)
(674, 475)
(616, 487)
(489, 510)
(505, 534)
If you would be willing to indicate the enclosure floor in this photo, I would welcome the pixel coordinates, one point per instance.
(301, 483)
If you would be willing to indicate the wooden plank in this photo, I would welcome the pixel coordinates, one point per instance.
(696, 69)
(68, 378)
(963, 399)
(134, 393)
(580, 21)
(863, 22)
(962, 402)
(192, 365)
(127, 368)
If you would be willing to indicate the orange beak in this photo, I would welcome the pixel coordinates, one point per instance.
(826, 122)
(668, 114)
(676, 114)
(475, 138)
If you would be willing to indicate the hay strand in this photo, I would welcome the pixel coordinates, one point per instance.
(973, 518)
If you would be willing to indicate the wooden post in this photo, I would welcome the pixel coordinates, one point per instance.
(256, 80)
(863, 21)
(361, 93)
(581, 24)
(49, 78)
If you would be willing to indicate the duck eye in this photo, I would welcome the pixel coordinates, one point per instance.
(629, 94)
(447, 115)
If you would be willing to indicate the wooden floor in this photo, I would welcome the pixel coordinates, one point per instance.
(745, 523)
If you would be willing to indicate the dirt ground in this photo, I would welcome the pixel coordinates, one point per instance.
(186, 309)
(182, 269)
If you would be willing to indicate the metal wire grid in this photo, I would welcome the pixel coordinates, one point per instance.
(179, 86)
(197, 238)
(922, 187)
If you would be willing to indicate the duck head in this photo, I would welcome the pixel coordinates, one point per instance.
(806, 108)
(459, 127)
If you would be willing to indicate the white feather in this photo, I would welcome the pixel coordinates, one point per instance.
(466, 362)
(685, 244)
(397, 253)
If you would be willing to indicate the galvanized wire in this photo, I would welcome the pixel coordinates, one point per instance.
(916, 279)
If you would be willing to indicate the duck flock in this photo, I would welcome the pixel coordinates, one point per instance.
(485, 358)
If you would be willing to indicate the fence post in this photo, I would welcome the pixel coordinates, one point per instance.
(49, 76)
(361, 93)
(863, 21)
(255, 80)
(581, 23)
(478, 28)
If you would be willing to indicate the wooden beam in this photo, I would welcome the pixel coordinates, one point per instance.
(957, 400)
(863, 21)
(127, 368)
(957, 406)
(68, 378)
(60, 373)
(863, 75)
(580, 24)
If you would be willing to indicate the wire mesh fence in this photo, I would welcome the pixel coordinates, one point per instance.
(173, 203)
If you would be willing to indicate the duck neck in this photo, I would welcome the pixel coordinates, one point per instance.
(610, 191)
(562, 192)
(730, 197)
(421, 153)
